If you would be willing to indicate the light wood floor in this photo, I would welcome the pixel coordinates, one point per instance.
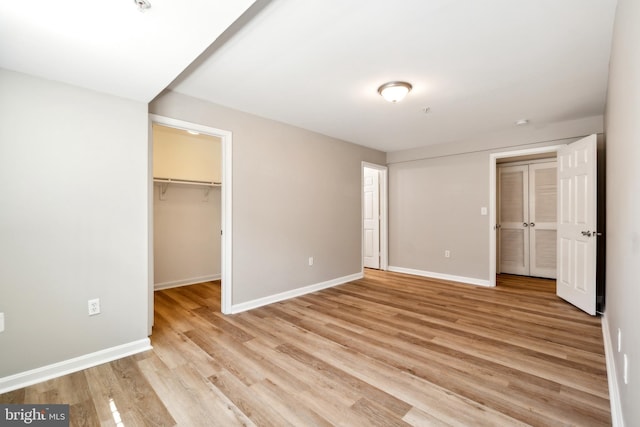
(388, 350)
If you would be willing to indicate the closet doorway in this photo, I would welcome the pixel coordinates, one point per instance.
(527, 225)
(187, 178)
(207, 189)
(580, 214)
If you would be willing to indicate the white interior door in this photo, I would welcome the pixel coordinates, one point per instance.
(543, 197)
(371, 217)
(576, 253)
(514, 220)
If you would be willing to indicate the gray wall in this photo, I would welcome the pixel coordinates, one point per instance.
(73, 221)
(295, 194)
(435, 197)
(623, 202)
(434, 204)
(186, 235)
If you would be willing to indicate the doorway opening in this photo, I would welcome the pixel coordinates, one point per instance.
(578, 224)
(374, 217)
(207, 186)
(187, 177)
(495, 159)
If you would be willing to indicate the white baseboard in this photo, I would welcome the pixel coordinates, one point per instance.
(237, 308)
(34, 376)
(185, 282)
(432, 275)
(614, 391)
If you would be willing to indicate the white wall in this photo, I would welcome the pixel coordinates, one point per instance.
(186, 244)
(623, 203)
(296, 194)
(73, 221)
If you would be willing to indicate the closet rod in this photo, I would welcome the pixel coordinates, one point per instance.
(187, 181)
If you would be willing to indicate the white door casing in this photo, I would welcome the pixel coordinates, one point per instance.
(371, 218)
(226, 300)
(513, 217)
(576, 252)
(493, 193)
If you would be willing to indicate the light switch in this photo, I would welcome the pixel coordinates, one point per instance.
(1, 322)
(483, 210)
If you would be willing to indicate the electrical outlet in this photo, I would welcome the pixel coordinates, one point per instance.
(310, 261)
(94, 306)
(447, 253)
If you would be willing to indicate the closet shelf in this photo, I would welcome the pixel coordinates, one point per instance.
(164, 184)
(187, 181)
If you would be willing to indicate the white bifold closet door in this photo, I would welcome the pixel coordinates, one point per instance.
(527, 219)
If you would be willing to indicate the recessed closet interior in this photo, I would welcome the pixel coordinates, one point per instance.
(527, 224)
(187, 170)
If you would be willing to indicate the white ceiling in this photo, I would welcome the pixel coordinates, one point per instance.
(479, 66)
(317, 64)
(110, 46)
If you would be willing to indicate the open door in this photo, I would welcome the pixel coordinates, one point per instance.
(577, 215)
(371, 218)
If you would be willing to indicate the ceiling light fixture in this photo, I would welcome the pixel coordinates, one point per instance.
(394, 91)
(142, 5)
(522, 122)
(193, 132)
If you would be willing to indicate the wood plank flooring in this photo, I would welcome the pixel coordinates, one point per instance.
(387, 350)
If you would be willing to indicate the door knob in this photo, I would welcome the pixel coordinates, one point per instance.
(586, 233)
(533, 224)
(524, 224)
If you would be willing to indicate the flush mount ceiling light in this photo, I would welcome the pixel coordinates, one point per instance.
(142, 5)
(521, 122)
(394, 91)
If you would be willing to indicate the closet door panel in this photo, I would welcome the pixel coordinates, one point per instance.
(513, 253)
(544, 200)
(543, 222)
(514, 219)
(544, 245)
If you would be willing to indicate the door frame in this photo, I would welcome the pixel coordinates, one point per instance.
(383, 200)
(226, 199)
(493, 157)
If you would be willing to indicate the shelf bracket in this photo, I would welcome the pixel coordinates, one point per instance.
(163, 190)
